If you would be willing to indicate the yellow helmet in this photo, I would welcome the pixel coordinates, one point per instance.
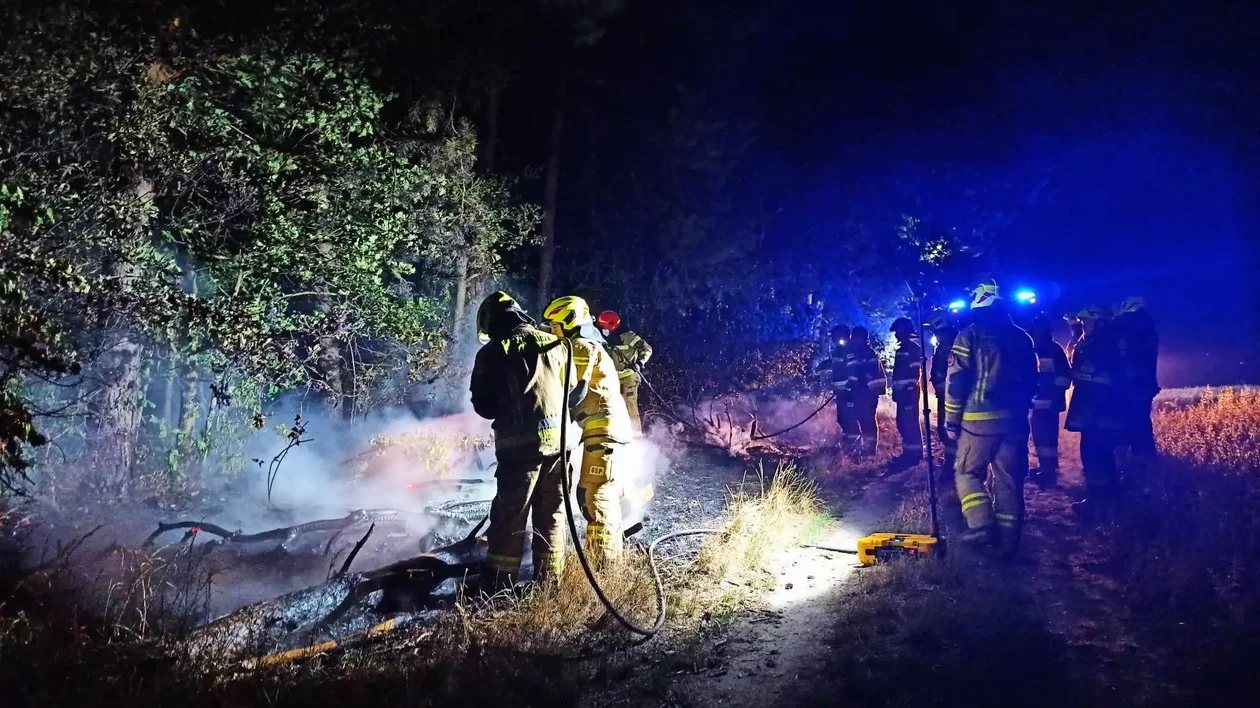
(986, 294)
(570, 312)
(1132, 304)
(1094, 312)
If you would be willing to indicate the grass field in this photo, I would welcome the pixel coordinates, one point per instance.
(1161, 608)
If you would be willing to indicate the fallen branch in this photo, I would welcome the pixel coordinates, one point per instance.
(283, 534)
(345, 567)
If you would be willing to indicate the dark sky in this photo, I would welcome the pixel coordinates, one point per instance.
(1110, 147)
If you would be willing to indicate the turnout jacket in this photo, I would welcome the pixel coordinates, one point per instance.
(1054, 376)
(517, 382)
(602, 413)
(907, 367)
(992, 374)
(1097, 363)
(866, 373)
(630, 351)
(940, 360)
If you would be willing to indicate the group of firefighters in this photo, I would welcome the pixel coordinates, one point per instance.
(995, 383)
(519, 382)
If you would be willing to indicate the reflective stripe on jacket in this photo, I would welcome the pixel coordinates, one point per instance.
(630, 352)
(517, 383)
(992, 374)
(907, 367)
(602, 414)
(1054, 376)
(866, 373)
(1096, 403)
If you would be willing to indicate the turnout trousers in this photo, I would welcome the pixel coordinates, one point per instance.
(599, 496)
(629, 381)
(1098, 462)
(528, 487)
(868, 432)
(1045, 436)
(908, 428)
(847, 418)
(989, 476)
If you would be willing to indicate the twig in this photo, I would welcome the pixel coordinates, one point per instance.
(345, 567)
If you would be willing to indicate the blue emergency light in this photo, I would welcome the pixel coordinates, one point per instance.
(957, 305)
(1027, 297)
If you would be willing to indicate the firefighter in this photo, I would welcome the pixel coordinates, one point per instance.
(1054, 376)
(944, 327)
(837, 364)
(866, 384)
(517, 382)
(907, 368)
(988, 391)
(630, 354)
(1097, 413)
(1136, 330)
(605, 426)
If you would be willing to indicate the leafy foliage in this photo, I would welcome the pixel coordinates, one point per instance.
(241, 205)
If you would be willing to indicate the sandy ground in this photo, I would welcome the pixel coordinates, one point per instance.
(780, 643)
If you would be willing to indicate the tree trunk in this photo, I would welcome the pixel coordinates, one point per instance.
(329, 363)
(118, 413)
(189, 406)
(551, 189)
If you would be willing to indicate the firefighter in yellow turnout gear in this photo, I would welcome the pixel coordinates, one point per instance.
(518, 382)
(605, 426)
(630, 352)
(988, 392)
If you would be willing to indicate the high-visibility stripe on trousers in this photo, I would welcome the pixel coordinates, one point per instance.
(989, 476)
(599, 495)
(528, 488)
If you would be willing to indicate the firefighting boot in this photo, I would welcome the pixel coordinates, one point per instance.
(986, 536)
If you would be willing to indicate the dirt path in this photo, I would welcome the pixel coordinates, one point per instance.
(777, 645)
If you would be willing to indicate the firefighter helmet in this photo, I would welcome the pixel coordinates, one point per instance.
(902, 324)
(495, 303)
(608, 321)
(986, 294)
(840, 333)
(938, 321)
(570, 312)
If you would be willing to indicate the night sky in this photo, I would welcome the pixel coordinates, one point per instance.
(1108, 148)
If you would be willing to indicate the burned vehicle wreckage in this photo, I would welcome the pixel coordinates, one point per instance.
(428, 553)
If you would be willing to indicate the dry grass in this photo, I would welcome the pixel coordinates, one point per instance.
(546, 648)
(1162, 608)
(774, 512)
(1221, 431)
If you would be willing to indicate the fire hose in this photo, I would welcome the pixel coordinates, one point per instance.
(646, 632)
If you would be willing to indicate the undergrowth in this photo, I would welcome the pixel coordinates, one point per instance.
(546, 647)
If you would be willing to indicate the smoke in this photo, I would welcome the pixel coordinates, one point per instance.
(782, 422)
